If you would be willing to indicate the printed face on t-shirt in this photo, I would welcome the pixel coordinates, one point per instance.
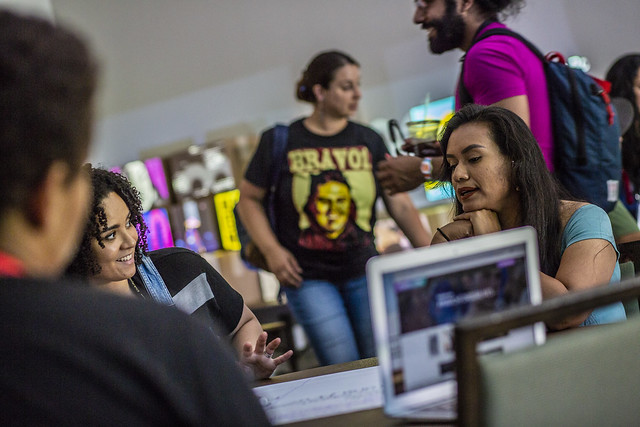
(333, 205)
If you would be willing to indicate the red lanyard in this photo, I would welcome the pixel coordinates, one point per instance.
(10, 266)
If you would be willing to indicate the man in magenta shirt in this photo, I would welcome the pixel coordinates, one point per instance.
(503, 68)
(499, 70)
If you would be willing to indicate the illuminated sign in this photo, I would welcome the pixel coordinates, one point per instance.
(224, 204)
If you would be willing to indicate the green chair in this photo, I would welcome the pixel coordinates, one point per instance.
(585, 376)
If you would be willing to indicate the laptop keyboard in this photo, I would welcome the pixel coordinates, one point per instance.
(427, 411)
(445, 405)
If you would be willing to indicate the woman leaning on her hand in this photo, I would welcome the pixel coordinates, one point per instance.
(501, 181)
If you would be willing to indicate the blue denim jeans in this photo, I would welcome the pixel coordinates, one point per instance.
(335, 317)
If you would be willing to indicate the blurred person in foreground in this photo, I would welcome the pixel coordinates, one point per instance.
(71, 355)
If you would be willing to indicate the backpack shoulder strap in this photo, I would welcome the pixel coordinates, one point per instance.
(280, 138)
(510, 33)
(463, 93)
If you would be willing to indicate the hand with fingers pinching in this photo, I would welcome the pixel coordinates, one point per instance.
(259, 360)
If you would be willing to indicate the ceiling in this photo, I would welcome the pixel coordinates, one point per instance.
(181, 70)
(155, 50)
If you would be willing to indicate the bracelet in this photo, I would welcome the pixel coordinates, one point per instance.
(443, 235)
(426, 167)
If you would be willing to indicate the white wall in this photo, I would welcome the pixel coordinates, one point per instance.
(42, 8)
(600, 30)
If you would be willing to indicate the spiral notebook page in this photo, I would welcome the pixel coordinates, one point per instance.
(321, 396)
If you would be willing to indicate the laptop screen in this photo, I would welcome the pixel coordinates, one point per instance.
(424, 301)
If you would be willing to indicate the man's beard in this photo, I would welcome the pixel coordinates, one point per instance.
(449, 32)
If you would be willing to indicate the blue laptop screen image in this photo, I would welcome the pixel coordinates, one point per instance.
(424, 303)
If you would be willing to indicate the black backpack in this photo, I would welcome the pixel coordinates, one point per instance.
(249, 252)
(586, 133)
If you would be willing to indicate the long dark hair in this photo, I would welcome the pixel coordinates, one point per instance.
(104, 183)
(622, 75)
(539, 191)
(321, 70)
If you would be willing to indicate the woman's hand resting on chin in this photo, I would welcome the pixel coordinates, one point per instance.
(468, 224)
(455, 230)
(483, 221)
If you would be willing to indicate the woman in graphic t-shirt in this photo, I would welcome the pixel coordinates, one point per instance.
(325, 211)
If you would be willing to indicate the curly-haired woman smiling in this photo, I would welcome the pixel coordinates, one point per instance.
(113, 256)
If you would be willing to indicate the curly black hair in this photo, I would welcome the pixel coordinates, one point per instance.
(104, 182)
(500, 9)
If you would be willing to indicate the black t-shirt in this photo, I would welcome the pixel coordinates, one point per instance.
(326, 196)
(79, 356)
(196, 287)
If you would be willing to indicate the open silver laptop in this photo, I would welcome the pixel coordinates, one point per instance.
(416, 296)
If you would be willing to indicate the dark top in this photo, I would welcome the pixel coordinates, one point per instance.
(196, 287)
(76, 356)
(327, 183)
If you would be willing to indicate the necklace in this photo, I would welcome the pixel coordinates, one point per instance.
(134, 288)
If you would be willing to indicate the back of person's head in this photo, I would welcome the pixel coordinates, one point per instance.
(499, 8)
(321, 70)
(622, 75)
(539, 191)
(103, 183)
(47, 82)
